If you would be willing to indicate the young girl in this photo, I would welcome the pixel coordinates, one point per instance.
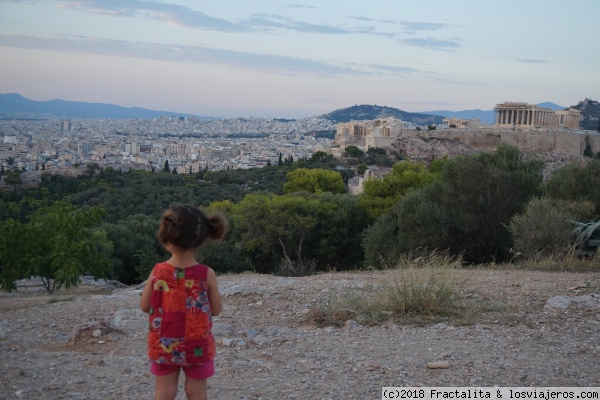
(181, 297)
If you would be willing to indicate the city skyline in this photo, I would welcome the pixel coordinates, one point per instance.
(300, 59)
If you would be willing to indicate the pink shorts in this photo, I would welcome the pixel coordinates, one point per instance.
(198, 372)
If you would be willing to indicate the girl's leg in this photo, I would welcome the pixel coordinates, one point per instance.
(166, 386)
(195, 389)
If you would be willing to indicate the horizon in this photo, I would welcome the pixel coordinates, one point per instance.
(267, 117)
(302, 59)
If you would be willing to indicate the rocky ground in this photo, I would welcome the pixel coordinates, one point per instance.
(536, 329)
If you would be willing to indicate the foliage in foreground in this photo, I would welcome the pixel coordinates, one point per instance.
(58, 244)
(299, 227)
(466, 211)
(576, 182)
(545, 228)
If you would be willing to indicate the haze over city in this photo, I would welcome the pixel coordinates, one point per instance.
(302, 58)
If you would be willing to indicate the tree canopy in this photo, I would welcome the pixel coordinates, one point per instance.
(313, 181)
(58, 244)
(381, 194)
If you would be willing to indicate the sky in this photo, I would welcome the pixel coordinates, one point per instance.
(300, 58)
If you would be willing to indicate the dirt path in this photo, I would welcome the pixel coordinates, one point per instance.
(269, 349)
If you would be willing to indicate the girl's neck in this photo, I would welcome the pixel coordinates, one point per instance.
(182, 258)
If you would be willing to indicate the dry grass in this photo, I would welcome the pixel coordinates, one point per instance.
(569, 263)
(422, 288)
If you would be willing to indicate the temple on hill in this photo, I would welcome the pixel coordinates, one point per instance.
(523, 115)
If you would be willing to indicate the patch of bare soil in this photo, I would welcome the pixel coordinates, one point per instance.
(532, 329)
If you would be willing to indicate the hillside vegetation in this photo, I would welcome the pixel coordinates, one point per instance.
(295, 218)
(371, 112)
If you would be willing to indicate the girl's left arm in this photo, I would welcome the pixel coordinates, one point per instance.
(213, 293)
(145, 300)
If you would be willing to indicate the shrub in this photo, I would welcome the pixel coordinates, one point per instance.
(545, 228)
(294, 268)
(576, 182)
(469, 208)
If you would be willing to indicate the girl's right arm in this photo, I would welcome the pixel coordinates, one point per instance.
(213, 293)
(145, 300)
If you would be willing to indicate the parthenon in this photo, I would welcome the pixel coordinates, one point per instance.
(514, 114)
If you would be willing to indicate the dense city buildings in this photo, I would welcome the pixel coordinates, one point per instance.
(188, 144)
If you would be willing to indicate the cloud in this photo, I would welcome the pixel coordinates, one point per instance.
(531, 61)
(177, 15)
(265, 21)
(172, 14)
(431, 43)
(281, 65)
(299, 6)
(395, 70)
(412, 27)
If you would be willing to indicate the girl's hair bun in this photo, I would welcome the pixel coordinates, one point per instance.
(187, 226)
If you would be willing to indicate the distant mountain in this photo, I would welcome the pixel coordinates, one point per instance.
(14, 105)
(487, 117)
(371, 112)
(551, 106)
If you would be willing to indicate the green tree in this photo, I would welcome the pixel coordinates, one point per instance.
(381, 194)
(13, 179)
(136, 247)
(545, 227)
(354, 152)
(576, 182)
(300, 229)
(91, 169)
(166, 166)
(377, 151)
(58, 244)
(361, 169)
(467, 211)
(277, 226)
(313, 181)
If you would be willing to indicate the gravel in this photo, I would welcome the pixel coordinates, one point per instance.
(540, 329)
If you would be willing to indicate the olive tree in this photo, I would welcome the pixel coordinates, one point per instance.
(58, 244)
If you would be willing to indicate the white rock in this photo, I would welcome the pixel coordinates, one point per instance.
(557, 302)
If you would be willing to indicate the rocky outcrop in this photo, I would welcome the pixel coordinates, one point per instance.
(590, 114)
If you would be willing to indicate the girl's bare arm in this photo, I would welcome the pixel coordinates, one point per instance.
(146, 295)
(213, 293)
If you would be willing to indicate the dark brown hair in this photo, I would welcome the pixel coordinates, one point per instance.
(186, 226)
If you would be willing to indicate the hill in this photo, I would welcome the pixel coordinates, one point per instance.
(14, 105)
(486, 117)
(371, 112)
(590, 114)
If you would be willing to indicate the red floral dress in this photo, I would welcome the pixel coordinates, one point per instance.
(180, 316)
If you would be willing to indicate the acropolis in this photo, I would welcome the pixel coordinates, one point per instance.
(529, 115)
(527, 126)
